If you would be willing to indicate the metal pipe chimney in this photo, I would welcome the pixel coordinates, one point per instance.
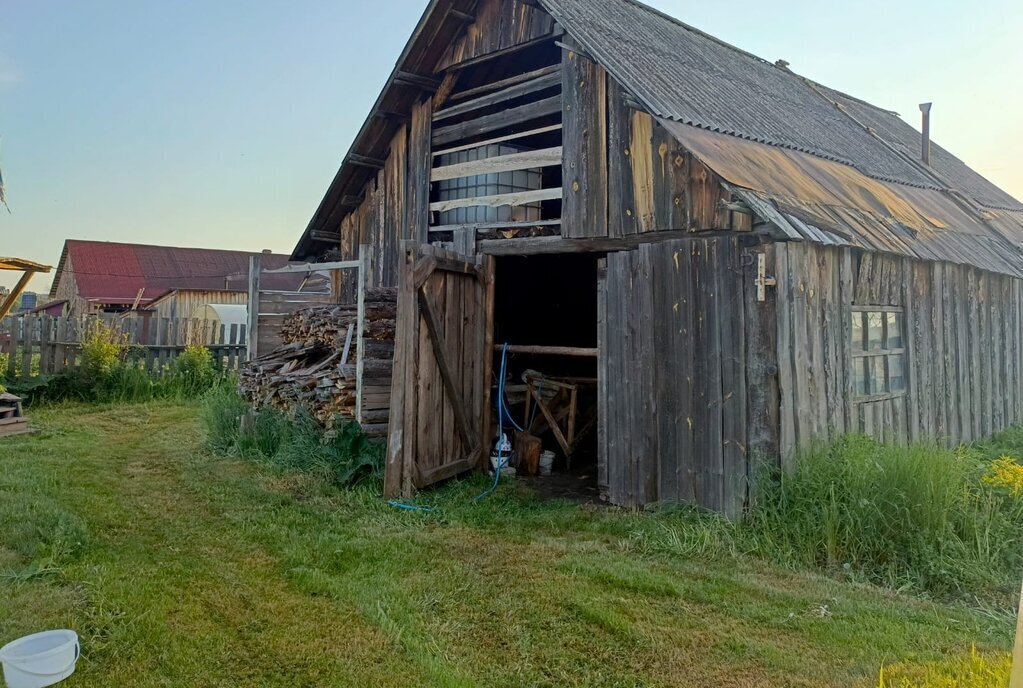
(925, 150)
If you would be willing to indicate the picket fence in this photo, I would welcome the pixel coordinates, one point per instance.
(43, 344)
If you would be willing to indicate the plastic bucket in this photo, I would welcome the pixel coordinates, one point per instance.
(546, 463)
(40, 660)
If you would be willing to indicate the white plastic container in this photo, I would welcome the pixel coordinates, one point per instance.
(547, 463)
(40, 660)
(501, 457)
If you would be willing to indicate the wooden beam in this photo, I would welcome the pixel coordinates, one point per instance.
(573, 351)
(495, 226)
(8, 303)
(505, 52)
(325, 237)
(314, 267)
(500, 139)
(252, 331)
(526, 88)
(427, 83)
(551, 421)
(366, 161)
(351, 201)
(448, 470)
(391, 115)
(512, 199)
(463, 17)
(538, 246)
(547, 157)
(497, 121)
(504, 83)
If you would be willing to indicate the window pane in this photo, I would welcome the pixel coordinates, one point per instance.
(861, 386)
(875, 331)
(877, 381)
(858, 345)
(896, 373)
(895, 331)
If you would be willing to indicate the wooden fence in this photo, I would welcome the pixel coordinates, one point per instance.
(43, 344)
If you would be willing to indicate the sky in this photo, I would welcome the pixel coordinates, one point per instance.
(220, 123)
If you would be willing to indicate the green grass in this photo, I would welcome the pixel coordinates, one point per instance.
(180, 568)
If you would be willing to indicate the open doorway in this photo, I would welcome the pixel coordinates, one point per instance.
(545, 311)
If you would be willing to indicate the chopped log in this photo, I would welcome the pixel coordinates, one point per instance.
(307, 371)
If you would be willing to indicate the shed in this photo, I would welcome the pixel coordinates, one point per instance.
(739, 260)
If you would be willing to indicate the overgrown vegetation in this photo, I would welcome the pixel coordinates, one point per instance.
(109, 371)
(343, 455)
(927, 519)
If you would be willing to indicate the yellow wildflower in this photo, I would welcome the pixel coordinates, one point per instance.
(1005, 473)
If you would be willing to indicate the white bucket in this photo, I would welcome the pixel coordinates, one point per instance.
(40, 660)
(547, 463)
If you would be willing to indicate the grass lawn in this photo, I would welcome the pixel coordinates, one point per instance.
(182, 569)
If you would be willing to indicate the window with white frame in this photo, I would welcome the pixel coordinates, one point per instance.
(878, 351)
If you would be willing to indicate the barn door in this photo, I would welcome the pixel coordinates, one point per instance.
(440, 388)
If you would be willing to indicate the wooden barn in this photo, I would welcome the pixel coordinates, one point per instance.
(723, 260)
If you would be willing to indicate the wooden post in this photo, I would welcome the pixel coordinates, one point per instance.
(360, 348)
(12, 298)
(253, 328)
(1017, 655)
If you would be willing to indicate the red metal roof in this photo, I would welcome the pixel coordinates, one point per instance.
(114, 273)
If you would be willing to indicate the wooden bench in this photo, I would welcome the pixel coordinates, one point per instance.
(12, 418)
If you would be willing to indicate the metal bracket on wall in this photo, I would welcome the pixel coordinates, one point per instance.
(763, 281)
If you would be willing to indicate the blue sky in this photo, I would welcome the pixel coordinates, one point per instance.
(219, 123)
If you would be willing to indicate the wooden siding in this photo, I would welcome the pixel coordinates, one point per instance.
(66, 289)
(963, 347)
(584, 151)
(677, 431)
(383, 218)
(499, 25)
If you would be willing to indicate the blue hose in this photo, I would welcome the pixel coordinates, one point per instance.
(501, 409)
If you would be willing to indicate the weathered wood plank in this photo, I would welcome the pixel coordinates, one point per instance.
(585, 160)
(512, 199)
(546, 157)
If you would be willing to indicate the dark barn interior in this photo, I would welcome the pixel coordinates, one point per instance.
(546, 312)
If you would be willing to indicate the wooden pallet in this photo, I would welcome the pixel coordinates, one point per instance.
(12, 418)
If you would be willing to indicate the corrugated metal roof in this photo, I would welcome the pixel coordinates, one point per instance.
(899, 133)
(114, 272)
(682, 74)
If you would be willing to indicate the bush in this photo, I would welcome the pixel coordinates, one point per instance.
(920, 517)
(103, 348)
(194, 369)
(343, 456)
(109, 374)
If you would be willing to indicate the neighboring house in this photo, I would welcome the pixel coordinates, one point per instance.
(750, 260)
(101, 277)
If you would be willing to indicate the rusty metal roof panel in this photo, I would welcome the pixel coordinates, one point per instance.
(822, 199)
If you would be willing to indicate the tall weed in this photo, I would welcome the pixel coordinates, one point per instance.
(343, 456)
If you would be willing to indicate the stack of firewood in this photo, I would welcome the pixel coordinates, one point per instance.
(316, 368)
(328, 325)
